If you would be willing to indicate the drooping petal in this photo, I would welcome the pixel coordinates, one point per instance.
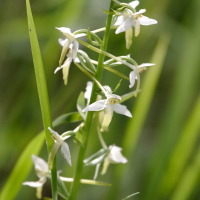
(105, 166)
(39, 192)
(40, 164)
(115, 155)
(124, 26)
(75, 49)
(96, 106)
(134, 4)
(128, 36)
(121, 109)
(64, 51)
(107, 116)
(137, 27)
(52, 154)
(147, 21)
(146, 64)
(66, 152)
(132, 77)
(65, 70)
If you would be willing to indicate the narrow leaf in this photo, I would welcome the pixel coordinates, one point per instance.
(67, 118)
(116, 72)
(42, 91)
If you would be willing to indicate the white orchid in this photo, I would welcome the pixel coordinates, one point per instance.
(115, 156)
(42, 171)
(110, 104)
(135, 74)
(59, 141)
(129, 19)
(70, 48)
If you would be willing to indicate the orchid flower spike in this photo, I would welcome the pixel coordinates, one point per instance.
(115, 156)
(59, 141)
(135, 75)
(70, 48)
(42, 171)
(110, 104)
(129, 19)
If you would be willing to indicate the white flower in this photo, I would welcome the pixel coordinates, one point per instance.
(58, 141)
(131, 19)
(42, 171)
(70, 48)
(135, 75)
(115, 156)
(110, 104)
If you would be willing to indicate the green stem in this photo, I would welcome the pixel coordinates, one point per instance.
(100, 51)
(94, 79)
(88, 122)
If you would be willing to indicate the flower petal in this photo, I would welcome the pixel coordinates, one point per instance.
(137, 27)
(146, 64)
(147, 21)
(107, 116)
(96, 106)
(75, 49)
(124, 26)
(39, 163)
(62, 42)
(64, 51)
(105, 166)
(35, 184)
(52, 154)
(96, 171)
(128, 36)
(116, 156)
(66, 153)
(120, 20)
(121, 109)
(39, 192)
(66, 70)
(132, 77)
(134, 4)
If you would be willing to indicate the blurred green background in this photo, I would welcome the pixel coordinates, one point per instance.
(161, 141)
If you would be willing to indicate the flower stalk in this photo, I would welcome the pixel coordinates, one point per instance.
(88, 122)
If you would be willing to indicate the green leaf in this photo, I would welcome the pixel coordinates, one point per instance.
(117, 86)
(81, 104)
(22, 167)
(79, 138)
(42, 91)
(62, 190)
(67, 118)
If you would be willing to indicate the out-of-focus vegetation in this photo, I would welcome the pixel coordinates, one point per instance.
(161, 141)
